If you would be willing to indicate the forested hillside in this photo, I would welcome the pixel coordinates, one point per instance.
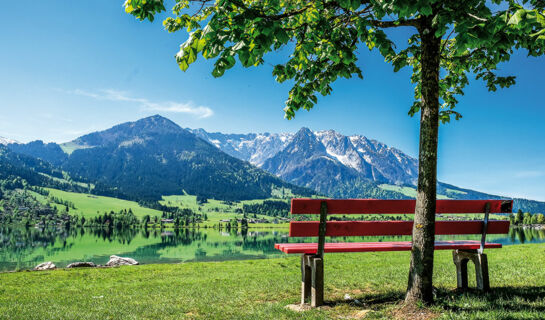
(152, 157)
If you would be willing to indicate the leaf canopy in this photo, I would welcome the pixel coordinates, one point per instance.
(323, 37)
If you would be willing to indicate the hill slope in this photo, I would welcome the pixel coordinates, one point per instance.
(17, 170)
(152, 157)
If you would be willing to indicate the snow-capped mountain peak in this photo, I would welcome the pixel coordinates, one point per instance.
(6, 141)
(369, 158)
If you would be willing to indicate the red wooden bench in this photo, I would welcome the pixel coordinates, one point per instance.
(464, 250)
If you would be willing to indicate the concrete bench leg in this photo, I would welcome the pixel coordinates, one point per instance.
(461, 258)
(312, 280)
(317, 292)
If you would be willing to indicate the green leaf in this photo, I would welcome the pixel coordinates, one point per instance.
(200, 44)
(183, 65)
(426, 10)
(542, 31)
(517, 17)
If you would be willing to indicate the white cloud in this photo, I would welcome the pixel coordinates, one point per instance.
(167, 106)
(529, 174)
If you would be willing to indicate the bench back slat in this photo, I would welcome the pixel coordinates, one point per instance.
(389, 228)
(373, 206)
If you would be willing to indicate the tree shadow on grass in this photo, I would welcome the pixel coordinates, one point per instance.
(500, 299)
(370, 300)
(498, 303)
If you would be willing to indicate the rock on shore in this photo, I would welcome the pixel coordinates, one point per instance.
(116, 261)
(45, 266)
(81, 265)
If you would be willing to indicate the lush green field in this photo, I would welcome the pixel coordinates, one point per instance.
(91, 205)
(216, 210)
(260, 289)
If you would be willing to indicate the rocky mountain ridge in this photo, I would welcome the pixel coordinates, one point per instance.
(370, 158)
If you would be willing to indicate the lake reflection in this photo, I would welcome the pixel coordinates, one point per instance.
(25, 248)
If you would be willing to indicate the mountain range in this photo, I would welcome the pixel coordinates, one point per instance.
(340, 166)
(358, 155)
(154, 156)
(331, 163)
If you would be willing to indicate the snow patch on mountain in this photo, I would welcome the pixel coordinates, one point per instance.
(6, 141)
(368, 157)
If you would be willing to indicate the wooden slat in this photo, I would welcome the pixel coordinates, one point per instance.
(310, 248)
(389, 228)
(370, 206)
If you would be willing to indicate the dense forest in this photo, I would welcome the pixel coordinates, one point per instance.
(269, 208)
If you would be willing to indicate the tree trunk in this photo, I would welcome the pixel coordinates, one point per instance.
(420, 287)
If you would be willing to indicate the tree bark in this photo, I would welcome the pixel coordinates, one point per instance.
(420, 287)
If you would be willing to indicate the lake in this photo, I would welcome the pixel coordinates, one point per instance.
(25, 248)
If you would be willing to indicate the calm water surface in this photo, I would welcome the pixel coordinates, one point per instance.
(25, 248)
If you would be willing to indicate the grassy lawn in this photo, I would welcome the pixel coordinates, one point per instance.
(91, 205)
(260, 289)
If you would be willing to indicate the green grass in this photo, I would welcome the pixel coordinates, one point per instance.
(455, 191)
(67, 179)
(260, 289)
(408, 191)
(70, 147)
(91, 205)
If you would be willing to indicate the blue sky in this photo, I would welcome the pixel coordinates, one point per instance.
(72, 67)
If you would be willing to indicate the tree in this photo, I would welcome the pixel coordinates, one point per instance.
(527, 218)
(519, 217)
(449, 40)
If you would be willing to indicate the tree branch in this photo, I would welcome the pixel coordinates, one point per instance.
(477, 18)
(394, 24)
(260, 14)
(446, 40)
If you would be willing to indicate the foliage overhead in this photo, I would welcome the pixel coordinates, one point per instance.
(323, 38)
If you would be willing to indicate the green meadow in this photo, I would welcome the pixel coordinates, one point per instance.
(89, 205)
(261, 289)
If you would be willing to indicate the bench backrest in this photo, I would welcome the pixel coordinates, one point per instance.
(374, 206)
(388, 228)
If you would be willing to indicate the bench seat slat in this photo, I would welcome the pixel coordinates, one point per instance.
(388, 228)
(310, 248)
(373, 206)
